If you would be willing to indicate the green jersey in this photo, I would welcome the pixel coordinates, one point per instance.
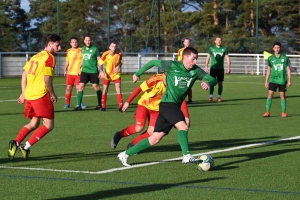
(179, 80)
(89, 59)
(278, 68)
(217, 55)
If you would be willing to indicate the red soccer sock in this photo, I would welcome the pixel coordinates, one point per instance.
(38, 134)
(120, 100)
(22, 134)
(190, 95)
(68, 98)
(128, 131)
(140, 137)
(103, 100)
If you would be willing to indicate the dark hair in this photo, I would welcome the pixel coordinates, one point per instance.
(189, 50)
(277, 44)
(73, 38)
(87, 36)
(51, 38)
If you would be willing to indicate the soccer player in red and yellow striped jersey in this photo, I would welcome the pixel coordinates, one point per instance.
(113, 61)
(72, 69)
(186, 43)
(38, 95)
(151, 92)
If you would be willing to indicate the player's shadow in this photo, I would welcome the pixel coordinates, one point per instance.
(125, 192)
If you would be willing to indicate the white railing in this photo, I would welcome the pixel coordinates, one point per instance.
(11, 64)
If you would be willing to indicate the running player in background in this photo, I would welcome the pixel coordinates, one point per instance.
(89, 71)
(151, 92)
(278, 76)
(72, 66)
(181, 77)
(217, 53)
(186, 43)
(113, 62)
(38, 95)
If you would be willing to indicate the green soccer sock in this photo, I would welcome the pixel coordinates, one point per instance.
(283, 105)
(211, 90)
(99, 96)
(143, 144)
(268, 104)
(79, 97)
(220, 90)
(183, 141)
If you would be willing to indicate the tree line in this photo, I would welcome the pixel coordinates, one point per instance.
(152, 25)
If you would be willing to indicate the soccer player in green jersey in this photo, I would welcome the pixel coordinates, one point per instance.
(89, 71)
(181, 77)
(278, 76)
(216, 54)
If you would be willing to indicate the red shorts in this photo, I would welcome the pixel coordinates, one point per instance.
(72, 79)
(40, 108)
(143, 113)
(107, 82)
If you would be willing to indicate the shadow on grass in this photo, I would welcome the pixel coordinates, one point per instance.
(143, 188)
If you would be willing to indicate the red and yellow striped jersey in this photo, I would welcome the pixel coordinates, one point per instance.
(111, 62)
(152, 91)
(40, 65)
(74, 58)
(180, 54)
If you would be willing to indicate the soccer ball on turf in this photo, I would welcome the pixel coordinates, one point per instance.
(206, 162)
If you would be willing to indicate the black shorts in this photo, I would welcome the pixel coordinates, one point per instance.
(273, 87)
(89, 77)
(217, 74)
(169, 115)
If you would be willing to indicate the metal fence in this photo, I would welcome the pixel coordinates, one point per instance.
(11, 63)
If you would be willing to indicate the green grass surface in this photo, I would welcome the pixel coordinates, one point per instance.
(64, 163)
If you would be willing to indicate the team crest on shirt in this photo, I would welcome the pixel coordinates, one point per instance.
(282, 60)
(192, 73)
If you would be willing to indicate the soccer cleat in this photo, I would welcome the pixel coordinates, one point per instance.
(189, 101)
(102, 109)
(219, 99)
(123, 158)
(210, 99)
(187, 158)
(83, 106)
(98, 107)
(12, 148)
(78, 108)
(114, 142)
(67, 106)
(25, 152)
(283, 115)
(267, 114)
(120, 109)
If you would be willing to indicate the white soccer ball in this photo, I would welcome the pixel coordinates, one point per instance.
(206, 162)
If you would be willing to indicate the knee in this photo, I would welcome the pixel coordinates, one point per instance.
(139, 128)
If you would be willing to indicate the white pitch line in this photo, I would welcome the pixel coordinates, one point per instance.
(155, 163)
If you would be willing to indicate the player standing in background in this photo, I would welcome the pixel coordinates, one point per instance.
(38, 95)
(89, 71)
(72, 66)
(181, 77)
(217, 53)
(113, 61)
(186, 43)
(278, 76)
(151, 92)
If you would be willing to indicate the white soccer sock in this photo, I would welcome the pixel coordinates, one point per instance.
(210, 96)
(27, 146)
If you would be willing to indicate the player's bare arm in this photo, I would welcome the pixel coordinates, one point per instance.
(267, 77)
(228, 64)
(21, 99)
(65, 68)
(289, 82)
(207, 62)
(49, 86)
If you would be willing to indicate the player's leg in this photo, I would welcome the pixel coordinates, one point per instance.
(44, 109)
(272, 88)
(282, 91)
(106, 84)
(68, 94)
(140, 120)
(220, 78)
(84, 79)
(95, 84)
(213, 73)
(119, 93)
(77, 78)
